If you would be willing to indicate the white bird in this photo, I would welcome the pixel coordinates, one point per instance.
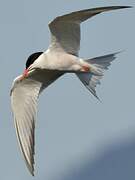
(43, 68)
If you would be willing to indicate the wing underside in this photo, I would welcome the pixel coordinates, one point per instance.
(24, 96)
(65, 30)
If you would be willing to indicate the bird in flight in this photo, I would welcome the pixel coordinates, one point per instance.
(43, 68)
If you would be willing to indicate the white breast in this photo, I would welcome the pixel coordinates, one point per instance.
(53, 60)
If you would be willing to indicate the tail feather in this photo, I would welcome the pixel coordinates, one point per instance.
(99, 64)
(103, 61)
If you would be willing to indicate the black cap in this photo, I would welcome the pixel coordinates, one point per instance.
(32, 58)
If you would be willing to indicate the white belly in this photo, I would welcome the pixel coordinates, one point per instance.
(57, 61)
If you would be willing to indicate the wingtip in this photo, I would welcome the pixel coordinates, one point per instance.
(32, 172)
(31, 168)
(122, 7)
(117, 7)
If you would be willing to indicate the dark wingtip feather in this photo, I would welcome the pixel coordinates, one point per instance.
(122, 7)
(109, 8)
(32, 173)
(31, 169)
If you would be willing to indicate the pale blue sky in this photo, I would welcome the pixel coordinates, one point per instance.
(77, 138)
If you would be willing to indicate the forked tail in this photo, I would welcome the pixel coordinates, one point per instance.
(91, 79)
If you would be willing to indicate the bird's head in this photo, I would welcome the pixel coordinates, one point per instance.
(32, 58)
(29, 62)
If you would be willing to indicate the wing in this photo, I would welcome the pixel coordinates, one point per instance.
(24, 96)
(65, 30)
(24, 101)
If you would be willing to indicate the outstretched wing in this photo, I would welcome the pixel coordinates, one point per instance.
(24, 96)
(24, 101)
(65, 30)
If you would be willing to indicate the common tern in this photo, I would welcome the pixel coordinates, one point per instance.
(43, 68)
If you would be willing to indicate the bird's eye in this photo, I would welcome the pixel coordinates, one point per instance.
(32, 58)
